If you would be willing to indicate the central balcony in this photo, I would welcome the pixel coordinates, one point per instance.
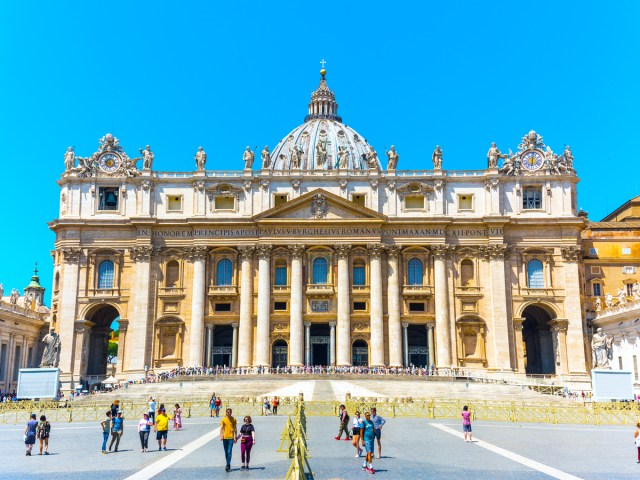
(223, 291)
(417, 291)
(319, 290)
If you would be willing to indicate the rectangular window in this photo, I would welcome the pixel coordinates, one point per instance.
(30, 357)
(597, 291)
(358, 199)
(174, 203)
(359, 306)
(595, 270)
(225, 203)
(3, 359)
(416, 307)
(635, 368)
(281, 276)
(358, 275)
(629, 289)
(107, 198)
(593, 251)
(17, 363)
(532, 198)
(626, 251)
(414, 202)
(280, 199)
(629, 270)
(280, 306)
(465, 202)
(620, 363)
(222, 307)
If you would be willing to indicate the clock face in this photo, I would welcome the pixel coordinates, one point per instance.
(532, 161)
(109, 162)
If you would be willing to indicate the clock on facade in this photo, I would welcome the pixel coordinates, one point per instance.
(109, 162)
(532, 161)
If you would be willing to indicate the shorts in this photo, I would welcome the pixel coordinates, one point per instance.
(368, 446)
(160, 434)
(377, 433)
(466, 428)
(356, 430)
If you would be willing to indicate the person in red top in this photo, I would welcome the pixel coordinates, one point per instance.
(275, 403)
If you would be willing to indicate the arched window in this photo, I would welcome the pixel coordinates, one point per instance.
(466, 273)
(105, 274)
(320, 271)
(415, 271)
(281, 273)
(173, 274)
(224, 272)
(535, 274)
(359, 273)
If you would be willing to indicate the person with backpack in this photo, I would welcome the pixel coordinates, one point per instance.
(344, 423)
(43, 431)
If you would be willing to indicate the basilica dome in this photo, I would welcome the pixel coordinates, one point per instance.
(323, 142)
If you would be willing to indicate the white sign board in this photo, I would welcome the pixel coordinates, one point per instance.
(611, 385)
(38, 383)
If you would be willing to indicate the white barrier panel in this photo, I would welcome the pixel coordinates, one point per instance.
(38, 383)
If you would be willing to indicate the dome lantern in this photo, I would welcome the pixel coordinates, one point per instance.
(323, 102)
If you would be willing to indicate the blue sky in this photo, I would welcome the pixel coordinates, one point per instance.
(413, 74)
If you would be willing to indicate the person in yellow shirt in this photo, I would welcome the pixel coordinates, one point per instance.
(228, 436)
(162, 427)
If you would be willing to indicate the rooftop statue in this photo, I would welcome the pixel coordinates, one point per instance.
(436, 158)
(493, 155)
(13, 298)
(266, 157)
(393, 157)
(568, 156)
(296, 156)
(343, 157)
(372, 158)
(321, 152)
(601, 349)
(147, 158)
(69, 159)
(248, 157)
(201, 159)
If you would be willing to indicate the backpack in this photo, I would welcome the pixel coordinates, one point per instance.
(346, 418)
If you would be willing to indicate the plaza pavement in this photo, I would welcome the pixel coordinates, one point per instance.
(412, 449)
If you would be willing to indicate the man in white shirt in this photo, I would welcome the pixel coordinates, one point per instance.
(378, 422)
(152, 409)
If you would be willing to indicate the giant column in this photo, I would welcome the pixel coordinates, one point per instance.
(264, 305)
(245, 332)
(332, 344)
(196, 339)
(377, 324)
(234, 346)
(573, 309)
(139, 347)
(405, 343)
(443, 337)
(344, 312)
(499, 327)
(296, 333)
(517, 333)
(307, 343)
(393, 298)
(67, 316)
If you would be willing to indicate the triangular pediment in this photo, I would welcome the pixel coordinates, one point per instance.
(320, 206)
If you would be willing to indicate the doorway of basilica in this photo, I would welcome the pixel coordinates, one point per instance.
(418, 346)
(538, 341)
(102, 319)
(360, 354)
(222, 346)
(320, 338)
(279, 354)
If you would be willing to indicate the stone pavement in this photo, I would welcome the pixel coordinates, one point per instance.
(412, 449)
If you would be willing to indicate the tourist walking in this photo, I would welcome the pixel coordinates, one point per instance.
(274, 404)
(117, 430)
(44, 429)
(355, 433)
(636, 436)
(162, 427)
(266, 406)
(378, 422)
(177, 417)
(344, 423)
(368, 436)
(30, 434)
(152, 409)
(247, 440)
(228, 436)
(144, 428)
(115, 406)
(218, 406)
(212, 404)
(466, 425)
(106, 430)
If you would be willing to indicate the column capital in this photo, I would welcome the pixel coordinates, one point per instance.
(517, 322)
(393, 251)
(307, 324)
(342, 251)
(196, 253)
(375, 250)
(494, 251)
(123, 325)
(441, 252)
(71, 254)
(141, 253)
(405, 325)
(246, 251)
(571, 254)
(429, 326)
(297, 251)
(264, 251)
(559, 325)
(333, 324)
(235, 325)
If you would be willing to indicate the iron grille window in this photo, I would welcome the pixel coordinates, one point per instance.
(415, 272)
(105, 274)
(532, 198)
(224, 272)
(535, 274)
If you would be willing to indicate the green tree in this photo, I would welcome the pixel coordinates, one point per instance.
(113, 350)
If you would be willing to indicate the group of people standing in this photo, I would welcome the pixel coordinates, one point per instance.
(364, 433)
(270, 407)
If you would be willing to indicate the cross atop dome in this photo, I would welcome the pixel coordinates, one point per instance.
(323, 101)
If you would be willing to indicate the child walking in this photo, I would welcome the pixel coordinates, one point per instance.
(466, 424)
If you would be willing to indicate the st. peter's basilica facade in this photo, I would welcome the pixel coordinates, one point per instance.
(317, 255)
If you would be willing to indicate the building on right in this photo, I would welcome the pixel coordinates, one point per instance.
(611, 265)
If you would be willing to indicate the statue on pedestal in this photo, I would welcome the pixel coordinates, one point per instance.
(372, 158)
(147, 158)
(201, 159)
(343, 157)
(15, 295)
(393, 158)
(436, 158)
(321, 152)
(493, 155)
(69, 159)
(51, 354)
(622, 296)
(601, 349)
(266, 157)
(597, 304)
(248, 157)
